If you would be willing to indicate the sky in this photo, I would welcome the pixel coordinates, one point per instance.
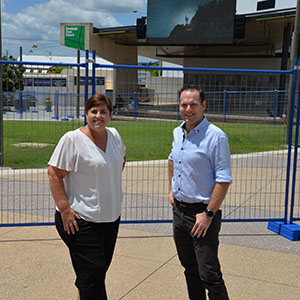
(34, 24)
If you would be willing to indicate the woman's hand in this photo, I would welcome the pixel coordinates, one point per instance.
(58, 191)
(69, 217)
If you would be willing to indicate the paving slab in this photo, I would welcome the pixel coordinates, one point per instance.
(36, 265)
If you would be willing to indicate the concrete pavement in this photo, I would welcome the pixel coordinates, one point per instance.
(256, 264)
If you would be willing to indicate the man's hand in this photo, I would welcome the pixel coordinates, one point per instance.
(171, 198)
(69, 217)
(201, 225)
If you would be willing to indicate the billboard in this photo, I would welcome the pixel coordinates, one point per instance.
(178, 22)
(74, 37)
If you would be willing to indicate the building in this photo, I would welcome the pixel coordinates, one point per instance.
(46, 81)
(258, 36)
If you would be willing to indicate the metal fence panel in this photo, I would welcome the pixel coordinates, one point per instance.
(248, 105)
(295, 189)
(37, 109)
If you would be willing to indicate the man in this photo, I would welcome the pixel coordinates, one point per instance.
(199, 177)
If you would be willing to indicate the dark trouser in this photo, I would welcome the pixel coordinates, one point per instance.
(199, 256)
(91, 250)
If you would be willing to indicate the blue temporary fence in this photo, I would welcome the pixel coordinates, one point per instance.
(247, 104)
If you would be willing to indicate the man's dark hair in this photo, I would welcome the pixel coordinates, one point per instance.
(191, 88)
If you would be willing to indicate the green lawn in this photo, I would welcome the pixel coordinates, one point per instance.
(247, 138)
(144, 140)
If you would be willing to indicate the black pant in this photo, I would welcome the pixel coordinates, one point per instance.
(199, 256)
(91, 250)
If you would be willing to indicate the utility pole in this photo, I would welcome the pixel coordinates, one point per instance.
(293, 55)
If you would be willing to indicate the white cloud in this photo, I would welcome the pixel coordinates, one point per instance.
(41, 21)
(120, 6)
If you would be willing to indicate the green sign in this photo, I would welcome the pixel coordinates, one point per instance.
(74, 37)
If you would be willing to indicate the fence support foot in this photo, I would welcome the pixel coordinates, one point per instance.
(288, 230)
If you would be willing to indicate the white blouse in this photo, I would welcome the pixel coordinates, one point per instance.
(94, 182)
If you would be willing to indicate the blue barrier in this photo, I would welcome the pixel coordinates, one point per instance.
(138, 200)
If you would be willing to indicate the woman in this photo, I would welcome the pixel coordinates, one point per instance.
(85, 180)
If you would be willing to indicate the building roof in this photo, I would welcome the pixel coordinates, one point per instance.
(115, 30)
(31, 68)
(60, 59)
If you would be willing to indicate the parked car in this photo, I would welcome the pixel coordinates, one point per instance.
(29, 100)
(10, 99)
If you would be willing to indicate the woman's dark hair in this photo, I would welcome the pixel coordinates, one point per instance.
(190, 88)
(96, 100)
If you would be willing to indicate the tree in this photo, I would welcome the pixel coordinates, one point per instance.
(58, 69)
(12, 76)
(152, 64)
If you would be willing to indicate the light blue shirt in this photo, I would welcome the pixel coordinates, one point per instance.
(200, 160)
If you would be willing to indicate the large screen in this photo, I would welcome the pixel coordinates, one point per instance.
(181, 22)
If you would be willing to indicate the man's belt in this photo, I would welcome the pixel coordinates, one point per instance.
(182, 204)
